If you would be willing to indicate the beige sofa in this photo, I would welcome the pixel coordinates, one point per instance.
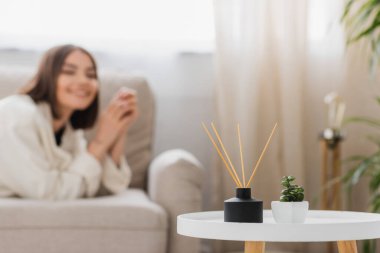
(136, 221)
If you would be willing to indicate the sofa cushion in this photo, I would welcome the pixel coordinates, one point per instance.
(131, 210)
(139, 141)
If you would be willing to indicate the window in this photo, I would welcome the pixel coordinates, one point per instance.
(108, 25)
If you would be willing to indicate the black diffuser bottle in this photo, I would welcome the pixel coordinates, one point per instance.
(243, 208)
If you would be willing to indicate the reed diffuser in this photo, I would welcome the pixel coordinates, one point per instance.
(242, 208)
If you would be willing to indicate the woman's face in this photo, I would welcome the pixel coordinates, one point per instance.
(77, 84)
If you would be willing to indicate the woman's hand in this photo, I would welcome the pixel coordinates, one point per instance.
(113, 124)
(128, 98)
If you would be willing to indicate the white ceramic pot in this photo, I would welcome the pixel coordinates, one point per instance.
(289, 212)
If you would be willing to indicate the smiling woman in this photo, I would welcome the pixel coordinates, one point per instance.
(78, 67)
(43, 153)
(76, 86)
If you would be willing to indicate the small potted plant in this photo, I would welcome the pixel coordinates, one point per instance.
(291, 208)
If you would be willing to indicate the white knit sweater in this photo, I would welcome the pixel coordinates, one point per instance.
(33, 166)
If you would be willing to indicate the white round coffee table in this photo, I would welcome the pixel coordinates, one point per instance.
(340, 226)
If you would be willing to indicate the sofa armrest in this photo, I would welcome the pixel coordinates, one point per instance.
(175, 182)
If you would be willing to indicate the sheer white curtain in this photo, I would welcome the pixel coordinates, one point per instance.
(260, 61)
(275, 61)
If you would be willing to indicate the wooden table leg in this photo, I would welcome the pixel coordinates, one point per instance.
(254, 247)
(347, 247)
(337, 199)
(324, 176)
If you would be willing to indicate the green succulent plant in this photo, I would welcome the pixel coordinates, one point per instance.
(292, 192)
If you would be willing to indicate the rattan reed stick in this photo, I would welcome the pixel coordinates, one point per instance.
(261, 156)
(220, 154)
(225, 153)
(241, 154)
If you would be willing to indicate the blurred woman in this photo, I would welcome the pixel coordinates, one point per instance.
(43, 153)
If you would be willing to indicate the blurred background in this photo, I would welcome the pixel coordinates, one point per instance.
(227, 61)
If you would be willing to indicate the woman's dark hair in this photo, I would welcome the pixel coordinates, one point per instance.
(43, 86)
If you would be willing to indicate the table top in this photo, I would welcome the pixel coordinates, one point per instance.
(319, 226)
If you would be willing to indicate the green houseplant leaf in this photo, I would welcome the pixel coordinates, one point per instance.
(362, 22)
(365, 120)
